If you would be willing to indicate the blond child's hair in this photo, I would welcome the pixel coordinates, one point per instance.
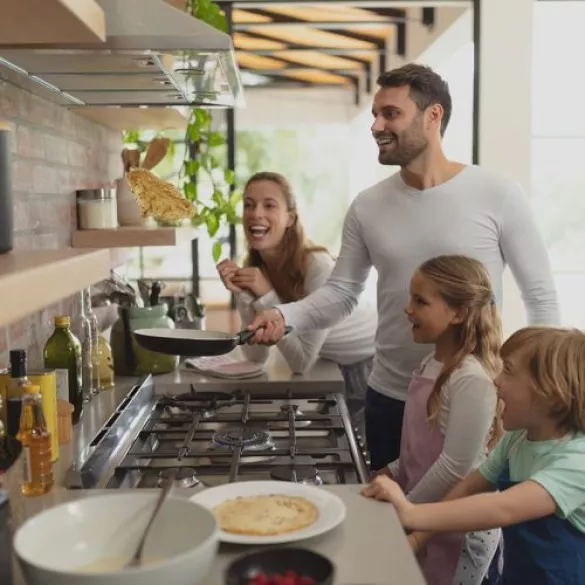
(555, 361)
(463, 282)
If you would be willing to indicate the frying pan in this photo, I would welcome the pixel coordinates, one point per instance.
(193, 342)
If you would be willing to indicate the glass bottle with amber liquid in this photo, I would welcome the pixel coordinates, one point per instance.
(16, 384)
(36, 445)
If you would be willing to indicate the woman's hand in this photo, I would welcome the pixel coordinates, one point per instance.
(253, 280)
(227, 269)
(384, 489)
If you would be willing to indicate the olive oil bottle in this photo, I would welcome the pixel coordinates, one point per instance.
(62, 353)
(36, 445)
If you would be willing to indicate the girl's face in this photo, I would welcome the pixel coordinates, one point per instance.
(515, 389)
(430, 315)
(266, 217)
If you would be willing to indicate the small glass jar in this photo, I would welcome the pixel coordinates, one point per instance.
(97, 209)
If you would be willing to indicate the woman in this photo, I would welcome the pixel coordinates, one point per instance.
(282, 267)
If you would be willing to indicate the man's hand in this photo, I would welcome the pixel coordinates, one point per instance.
(252, 279)
(270, 327)
(227, 269)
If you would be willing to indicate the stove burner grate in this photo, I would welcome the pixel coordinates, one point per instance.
(185, 477)
(206, 403)
(248, 439)
(298, 474)
(283, 418)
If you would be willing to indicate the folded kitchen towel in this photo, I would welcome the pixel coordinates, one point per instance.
(225, 367)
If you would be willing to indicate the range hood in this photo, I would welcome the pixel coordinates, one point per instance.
(154, 55)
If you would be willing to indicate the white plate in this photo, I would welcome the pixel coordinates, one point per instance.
(331, 508)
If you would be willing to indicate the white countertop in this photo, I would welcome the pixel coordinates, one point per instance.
(368, 548)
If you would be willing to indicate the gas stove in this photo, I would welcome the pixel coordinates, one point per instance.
(211, 438)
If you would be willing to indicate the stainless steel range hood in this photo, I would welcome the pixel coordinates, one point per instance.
(154, 55)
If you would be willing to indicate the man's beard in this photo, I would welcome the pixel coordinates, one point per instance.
(407, 147)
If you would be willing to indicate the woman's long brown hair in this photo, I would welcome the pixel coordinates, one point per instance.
(464, 283)
(288, 277)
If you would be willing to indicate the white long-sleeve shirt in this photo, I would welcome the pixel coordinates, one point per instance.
(466, 413)
(348, 342)
(395, 228)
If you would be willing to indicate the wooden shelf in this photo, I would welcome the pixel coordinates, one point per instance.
(35, 22)
(32, 280)
(135, 118)
(133, 237)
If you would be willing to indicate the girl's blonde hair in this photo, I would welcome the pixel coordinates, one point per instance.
(288, 277)
(555, 361)
(464, 283)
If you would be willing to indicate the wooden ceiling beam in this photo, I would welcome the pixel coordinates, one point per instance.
(282, 20)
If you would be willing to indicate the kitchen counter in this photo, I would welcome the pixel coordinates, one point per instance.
(323, 376)
(368, 548)
(363, 556)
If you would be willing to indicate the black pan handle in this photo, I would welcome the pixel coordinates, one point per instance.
(246, 335)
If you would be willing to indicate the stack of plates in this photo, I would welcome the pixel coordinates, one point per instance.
(224, 366)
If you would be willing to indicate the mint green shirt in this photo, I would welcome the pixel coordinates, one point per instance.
(557, 465)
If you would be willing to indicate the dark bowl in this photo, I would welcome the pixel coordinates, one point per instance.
(278, 561)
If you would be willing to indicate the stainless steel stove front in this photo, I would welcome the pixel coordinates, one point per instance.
(215, 439)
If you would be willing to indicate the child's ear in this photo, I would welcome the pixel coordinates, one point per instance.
(460, 316)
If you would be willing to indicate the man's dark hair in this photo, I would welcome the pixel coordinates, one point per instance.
(426, 88)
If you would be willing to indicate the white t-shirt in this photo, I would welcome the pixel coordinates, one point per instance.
(467, 409)
(348, 342)
(395, 228)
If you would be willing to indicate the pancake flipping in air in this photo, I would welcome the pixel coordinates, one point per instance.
(158, 198)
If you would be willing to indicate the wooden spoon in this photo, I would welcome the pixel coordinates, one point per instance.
(156, 151)
(133, 159)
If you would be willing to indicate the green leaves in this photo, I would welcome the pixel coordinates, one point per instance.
(216, 250)
(190, 190)
(212, 221)
(229, 177)
(216, 139)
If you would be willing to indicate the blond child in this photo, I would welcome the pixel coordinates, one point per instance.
(450, 405)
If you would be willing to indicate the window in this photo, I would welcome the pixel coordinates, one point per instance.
(558, 147)
(315, 159)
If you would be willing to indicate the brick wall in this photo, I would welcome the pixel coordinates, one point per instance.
(54, 153)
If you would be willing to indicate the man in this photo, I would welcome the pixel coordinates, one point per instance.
(432, 206)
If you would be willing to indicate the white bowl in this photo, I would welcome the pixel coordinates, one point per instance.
(57, 546)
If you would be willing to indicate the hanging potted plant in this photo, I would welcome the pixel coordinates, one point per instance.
(201, 160)
(202, 169)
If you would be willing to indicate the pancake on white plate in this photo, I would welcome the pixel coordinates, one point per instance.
(266, 515)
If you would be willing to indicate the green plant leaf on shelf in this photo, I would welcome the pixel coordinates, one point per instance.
(217, 198)
(216, 139)
(235, 199)
(230, 178)
(201, 160)
(212, 222)
(190, 190)
(191, 167)
(217, 250)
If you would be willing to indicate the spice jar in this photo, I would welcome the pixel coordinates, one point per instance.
(96, 209)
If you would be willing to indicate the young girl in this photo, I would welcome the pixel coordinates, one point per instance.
(450, 405)
(538, 466)
(283, 266)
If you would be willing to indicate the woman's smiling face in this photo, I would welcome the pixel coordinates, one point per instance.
(266, 216)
